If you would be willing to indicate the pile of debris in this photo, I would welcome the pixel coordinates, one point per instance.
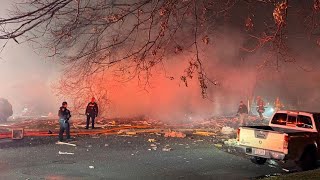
(219, 122)
(220, 130)
(175, 134)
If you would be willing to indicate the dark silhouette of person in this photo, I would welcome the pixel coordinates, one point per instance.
(91, 112)
(64, 116)
(243, 113)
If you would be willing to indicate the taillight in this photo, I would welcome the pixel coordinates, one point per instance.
(238, 134)
(286, 142)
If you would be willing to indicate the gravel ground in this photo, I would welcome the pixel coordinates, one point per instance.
(120, 157)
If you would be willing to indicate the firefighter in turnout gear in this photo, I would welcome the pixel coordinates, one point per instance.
(91, 112)
(64, 116)
(277, 104)
(260, 107)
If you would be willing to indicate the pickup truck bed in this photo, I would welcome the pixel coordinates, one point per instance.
(260, 141)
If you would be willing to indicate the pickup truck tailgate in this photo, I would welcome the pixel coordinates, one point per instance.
(262, 139)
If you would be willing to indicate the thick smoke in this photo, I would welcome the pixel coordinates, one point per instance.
(239, 76)
(172, 101)
(27, 83)
(25, 80)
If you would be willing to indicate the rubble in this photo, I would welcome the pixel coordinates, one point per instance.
(218, 145)
(227, 130)
(219, 131)
(141, 123)
(66, 153)
(204, 133)
(167, 148)
(231, 142)
(125, 135)
(113, 123)
(175, 134)
(153, 147)
(64, 143)
(151, 140)
(129, 132)
(286, 170)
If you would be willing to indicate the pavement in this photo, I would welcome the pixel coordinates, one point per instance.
(124, 157)
(307, 175)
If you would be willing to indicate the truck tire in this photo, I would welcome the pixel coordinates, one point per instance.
(258, 160)
(308, 160)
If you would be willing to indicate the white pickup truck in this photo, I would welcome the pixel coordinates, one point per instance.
(292, 136)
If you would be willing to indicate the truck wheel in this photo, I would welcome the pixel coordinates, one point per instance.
(308, 160)
(258, 160)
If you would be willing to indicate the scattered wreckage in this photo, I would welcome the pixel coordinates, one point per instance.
(220, 131)
(213, 127)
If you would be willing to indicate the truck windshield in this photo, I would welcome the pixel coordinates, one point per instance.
(296, 121)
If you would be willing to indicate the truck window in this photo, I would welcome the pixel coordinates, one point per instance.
(292, 121)
(304, 122)
(279, 118)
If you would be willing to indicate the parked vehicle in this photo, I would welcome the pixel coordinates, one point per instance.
(292, 136)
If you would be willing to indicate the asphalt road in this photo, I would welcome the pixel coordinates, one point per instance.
(116, 157)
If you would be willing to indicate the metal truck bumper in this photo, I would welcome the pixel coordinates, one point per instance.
(264, 153)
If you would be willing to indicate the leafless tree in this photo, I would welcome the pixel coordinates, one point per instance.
(82, 93)
(91, 37)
